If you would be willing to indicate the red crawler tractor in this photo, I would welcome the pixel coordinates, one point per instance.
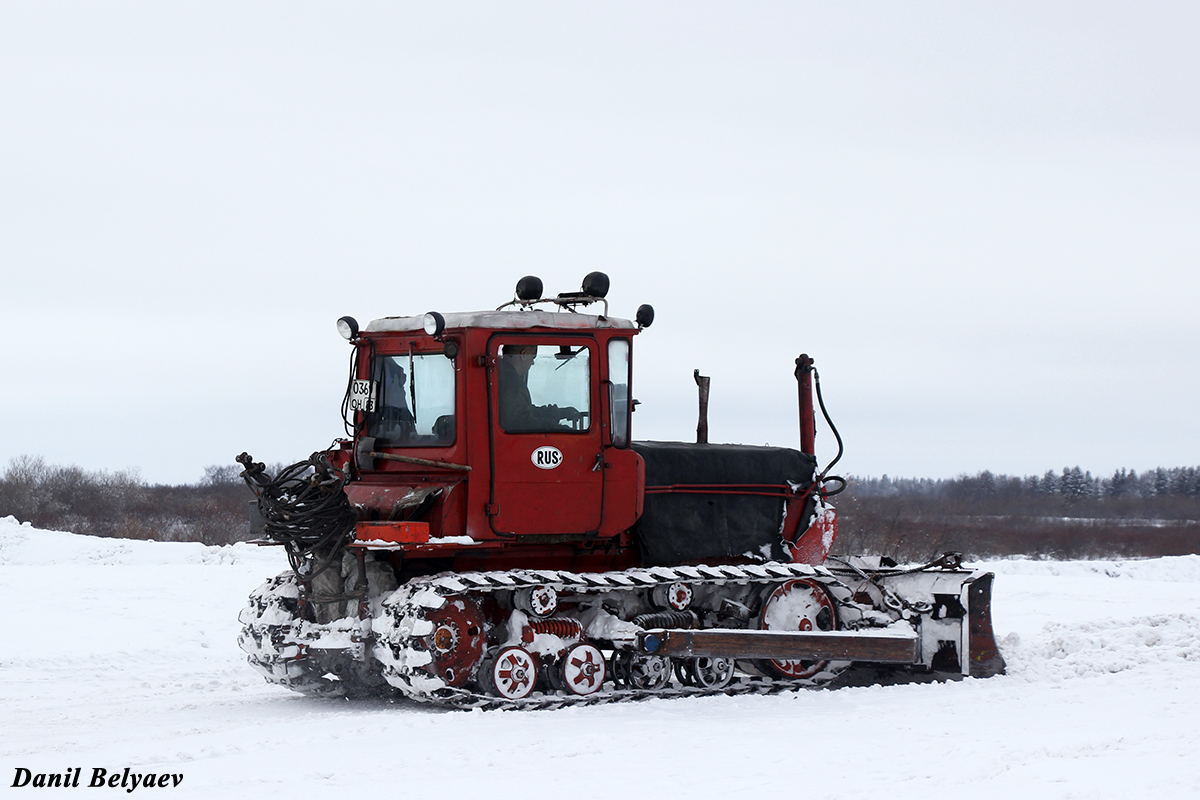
(489, 535)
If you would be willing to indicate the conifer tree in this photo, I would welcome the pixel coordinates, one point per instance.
(1073, 487)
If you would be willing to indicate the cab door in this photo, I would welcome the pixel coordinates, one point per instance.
(547, 466)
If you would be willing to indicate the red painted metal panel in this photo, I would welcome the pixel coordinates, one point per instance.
(393, 532)
(814, 544)
(546, 483)
(808, 419)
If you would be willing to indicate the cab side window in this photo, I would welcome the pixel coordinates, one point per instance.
(618, 391)
(544, 388)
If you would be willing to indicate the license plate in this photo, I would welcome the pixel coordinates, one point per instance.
(362, 395)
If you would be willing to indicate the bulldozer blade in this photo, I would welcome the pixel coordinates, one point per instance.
(983, 656)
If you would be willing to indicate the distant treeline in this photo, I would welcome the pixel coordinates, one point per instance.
(1071, 514)
(1073, 485)
(213, 510)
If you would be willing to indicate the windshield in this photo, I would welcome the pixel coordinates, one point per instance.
(415, 406)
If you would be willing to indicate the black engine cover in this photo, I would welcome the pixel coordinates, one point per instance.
(679, 527)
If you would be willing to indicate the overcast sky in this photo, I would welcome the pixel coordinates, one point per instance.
(981, 220)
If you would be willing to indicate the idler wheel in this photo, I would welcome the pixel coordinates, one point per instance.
(799, 605)
(512, 674)
(539, 601)
(582, 669)
(706, 673)
(640, 671)
(676, 596)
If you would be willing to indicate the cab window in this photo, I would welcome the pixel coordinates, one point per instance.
(544, 388)
(618, 390)
(415, 407)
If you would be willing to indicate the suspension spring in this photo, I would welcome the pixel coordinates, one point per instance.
(562, 627)
(667, 619)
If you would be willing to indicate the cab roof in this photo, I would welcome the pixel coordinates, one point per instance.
(504, 320)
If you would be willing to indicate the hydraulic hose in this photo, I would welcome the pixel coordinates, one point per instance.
(836, 435)
(305, 509)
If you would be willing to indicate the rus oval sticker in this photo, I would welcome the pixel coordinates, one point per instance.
(546, 457)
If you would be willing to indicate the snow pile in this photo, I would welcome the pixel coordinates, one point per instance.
(1179, 569)
(1062, 652)
(23, 545)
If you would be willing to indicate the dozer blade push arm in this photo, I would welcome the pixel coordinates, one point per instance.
(874, 646)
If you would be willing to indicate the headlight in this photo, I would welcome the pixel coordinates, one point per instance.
(435, 323)
(347, 327)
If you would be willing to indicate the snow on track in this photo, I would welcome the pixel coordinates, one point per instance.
(122, 654)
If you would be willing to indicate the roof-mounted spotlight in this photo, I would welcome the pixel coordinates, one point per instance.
(595, 284)
(529, 289)
(434, 324)
(347, 327)
(645, 315)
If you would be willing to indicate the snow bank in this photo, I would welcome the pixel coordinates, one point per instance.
(23, 545)
(1175, 569)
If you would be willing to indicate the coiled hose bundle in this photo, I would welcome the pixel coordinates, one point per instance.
(305, 509)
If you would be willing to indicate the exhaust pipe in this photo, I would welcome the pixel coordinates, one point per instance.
(808, 419)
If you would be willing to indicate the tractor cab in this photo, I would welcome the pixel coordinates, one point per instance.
(509, 426)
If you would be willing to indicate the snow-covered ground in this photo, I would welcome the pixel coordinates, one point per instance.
(118, 654)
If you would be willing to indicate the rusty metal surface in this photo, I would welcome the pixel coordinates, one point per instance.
(392, 532)
(702, 383)
(984, 659)
(424, 462)
(800, 645)
(808, 419)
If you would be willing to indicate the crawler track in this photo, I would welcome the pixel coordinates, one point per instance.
(318, 660)
(402, 633)
(429, 638)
